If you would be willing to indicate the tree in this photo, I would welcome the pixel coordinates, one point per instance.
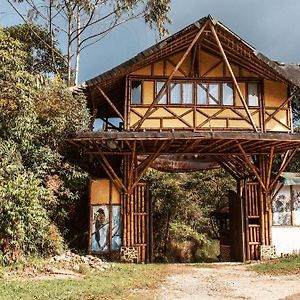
(40, 187)
(40, 58)
(182, 204)
(86, 22)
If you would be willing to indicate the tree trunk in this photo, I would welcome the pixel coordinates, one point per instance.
(77, 58)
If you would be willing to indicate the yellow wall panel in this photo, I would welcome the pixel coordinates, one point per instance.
(186, 65)
(246, 73)
(158, 69)
(100, 192)
(217, 123)
(173, 123)
(239, 124)
(179, 110)
(161, 112)
(199, 118)
(133, 118)
(148, 92)
(151, 124)
(238, 101)
(281, 116)
(206, 62)
(143, 71)
(170, 68)
(273, 125)
(227, 113)
(275, 93)
(211, 111)
(235, 70)
(189, 118)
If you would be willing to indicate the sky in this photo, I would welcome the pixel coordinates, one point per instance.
(270, 26)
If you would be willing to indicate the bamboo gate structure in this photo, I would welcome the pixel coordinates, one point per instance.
(243, 138)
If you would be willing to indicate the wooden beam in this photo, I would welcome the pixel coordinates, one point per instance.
(163, 88)
(251, 166)
(233, 76)
(110, 103)
(149, 160)
(112, 172)
(283, 167)
(269, 173)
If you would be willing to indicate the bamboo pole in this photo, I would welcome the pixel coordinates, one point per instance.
(163, 88)
(233, 76)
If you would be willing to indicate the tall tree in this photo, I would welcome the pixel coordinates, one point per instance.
(40, 59)
(83, 23)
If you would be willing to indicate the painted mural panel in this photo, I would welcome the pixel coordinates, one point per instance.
(296, 205)
(281, 207)
(100, 228)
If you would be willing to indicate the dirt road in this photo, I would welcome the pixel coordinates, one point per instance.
(223, 281)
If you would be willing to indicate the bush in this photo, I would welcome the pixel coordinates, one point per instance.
(25, 226)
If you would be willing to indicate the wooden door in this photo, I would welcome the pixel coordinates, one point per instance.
(236, 225)
(252, 220)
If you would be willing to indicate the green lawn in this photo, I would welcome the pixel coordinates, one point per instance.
(281, 266)
(115, 283)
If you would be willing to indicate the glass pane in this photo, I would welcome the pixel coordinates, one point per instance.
(175, 93)
(98, 125)
(136, 92)
(227, 94)
(213, 94)
(202, 93)
(163, 98)
(253, 94)
(115, 122)
(187, 93)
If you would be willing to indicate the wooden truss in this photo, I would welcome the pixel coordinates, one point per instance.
(199, 37)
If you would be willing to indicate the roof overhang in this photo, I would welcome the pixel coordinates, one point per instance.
(237, 50)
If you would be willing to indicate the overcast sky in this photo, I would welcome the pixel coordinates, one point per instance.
(271, 26)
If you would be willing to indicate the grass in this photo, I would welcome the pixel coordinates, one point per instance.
(114, 283)
(280, 266)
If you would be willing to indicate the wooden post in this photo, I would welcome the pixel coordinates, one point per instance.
(157, 98)
(232, 76)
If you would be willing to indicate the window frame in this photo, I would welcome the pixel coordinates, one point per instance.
(195, 83)
(258, 88)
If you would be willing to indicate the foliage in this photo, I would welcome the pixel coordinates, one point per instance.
(40, 59)
(182, 206)
(39, 186)
(80, 24)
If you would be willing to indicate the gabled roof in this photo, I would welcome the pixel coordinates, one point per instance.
(249, 56)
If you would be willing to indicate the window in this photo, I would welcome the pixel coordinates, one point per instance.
(215, 94)
(181, 93)
(187, 93)
(163, 97)
(227, 94)
(202, 89)
(286, 206)
(136, 92)
(253, 96)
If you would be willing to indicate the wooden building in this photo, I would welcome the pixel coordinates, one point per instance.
(201, 98)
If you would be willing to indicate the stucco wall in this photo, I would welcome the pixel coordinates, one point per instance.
(286, 239)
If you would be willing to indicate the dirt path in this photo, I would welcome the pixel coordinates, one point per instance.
(224, 281)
